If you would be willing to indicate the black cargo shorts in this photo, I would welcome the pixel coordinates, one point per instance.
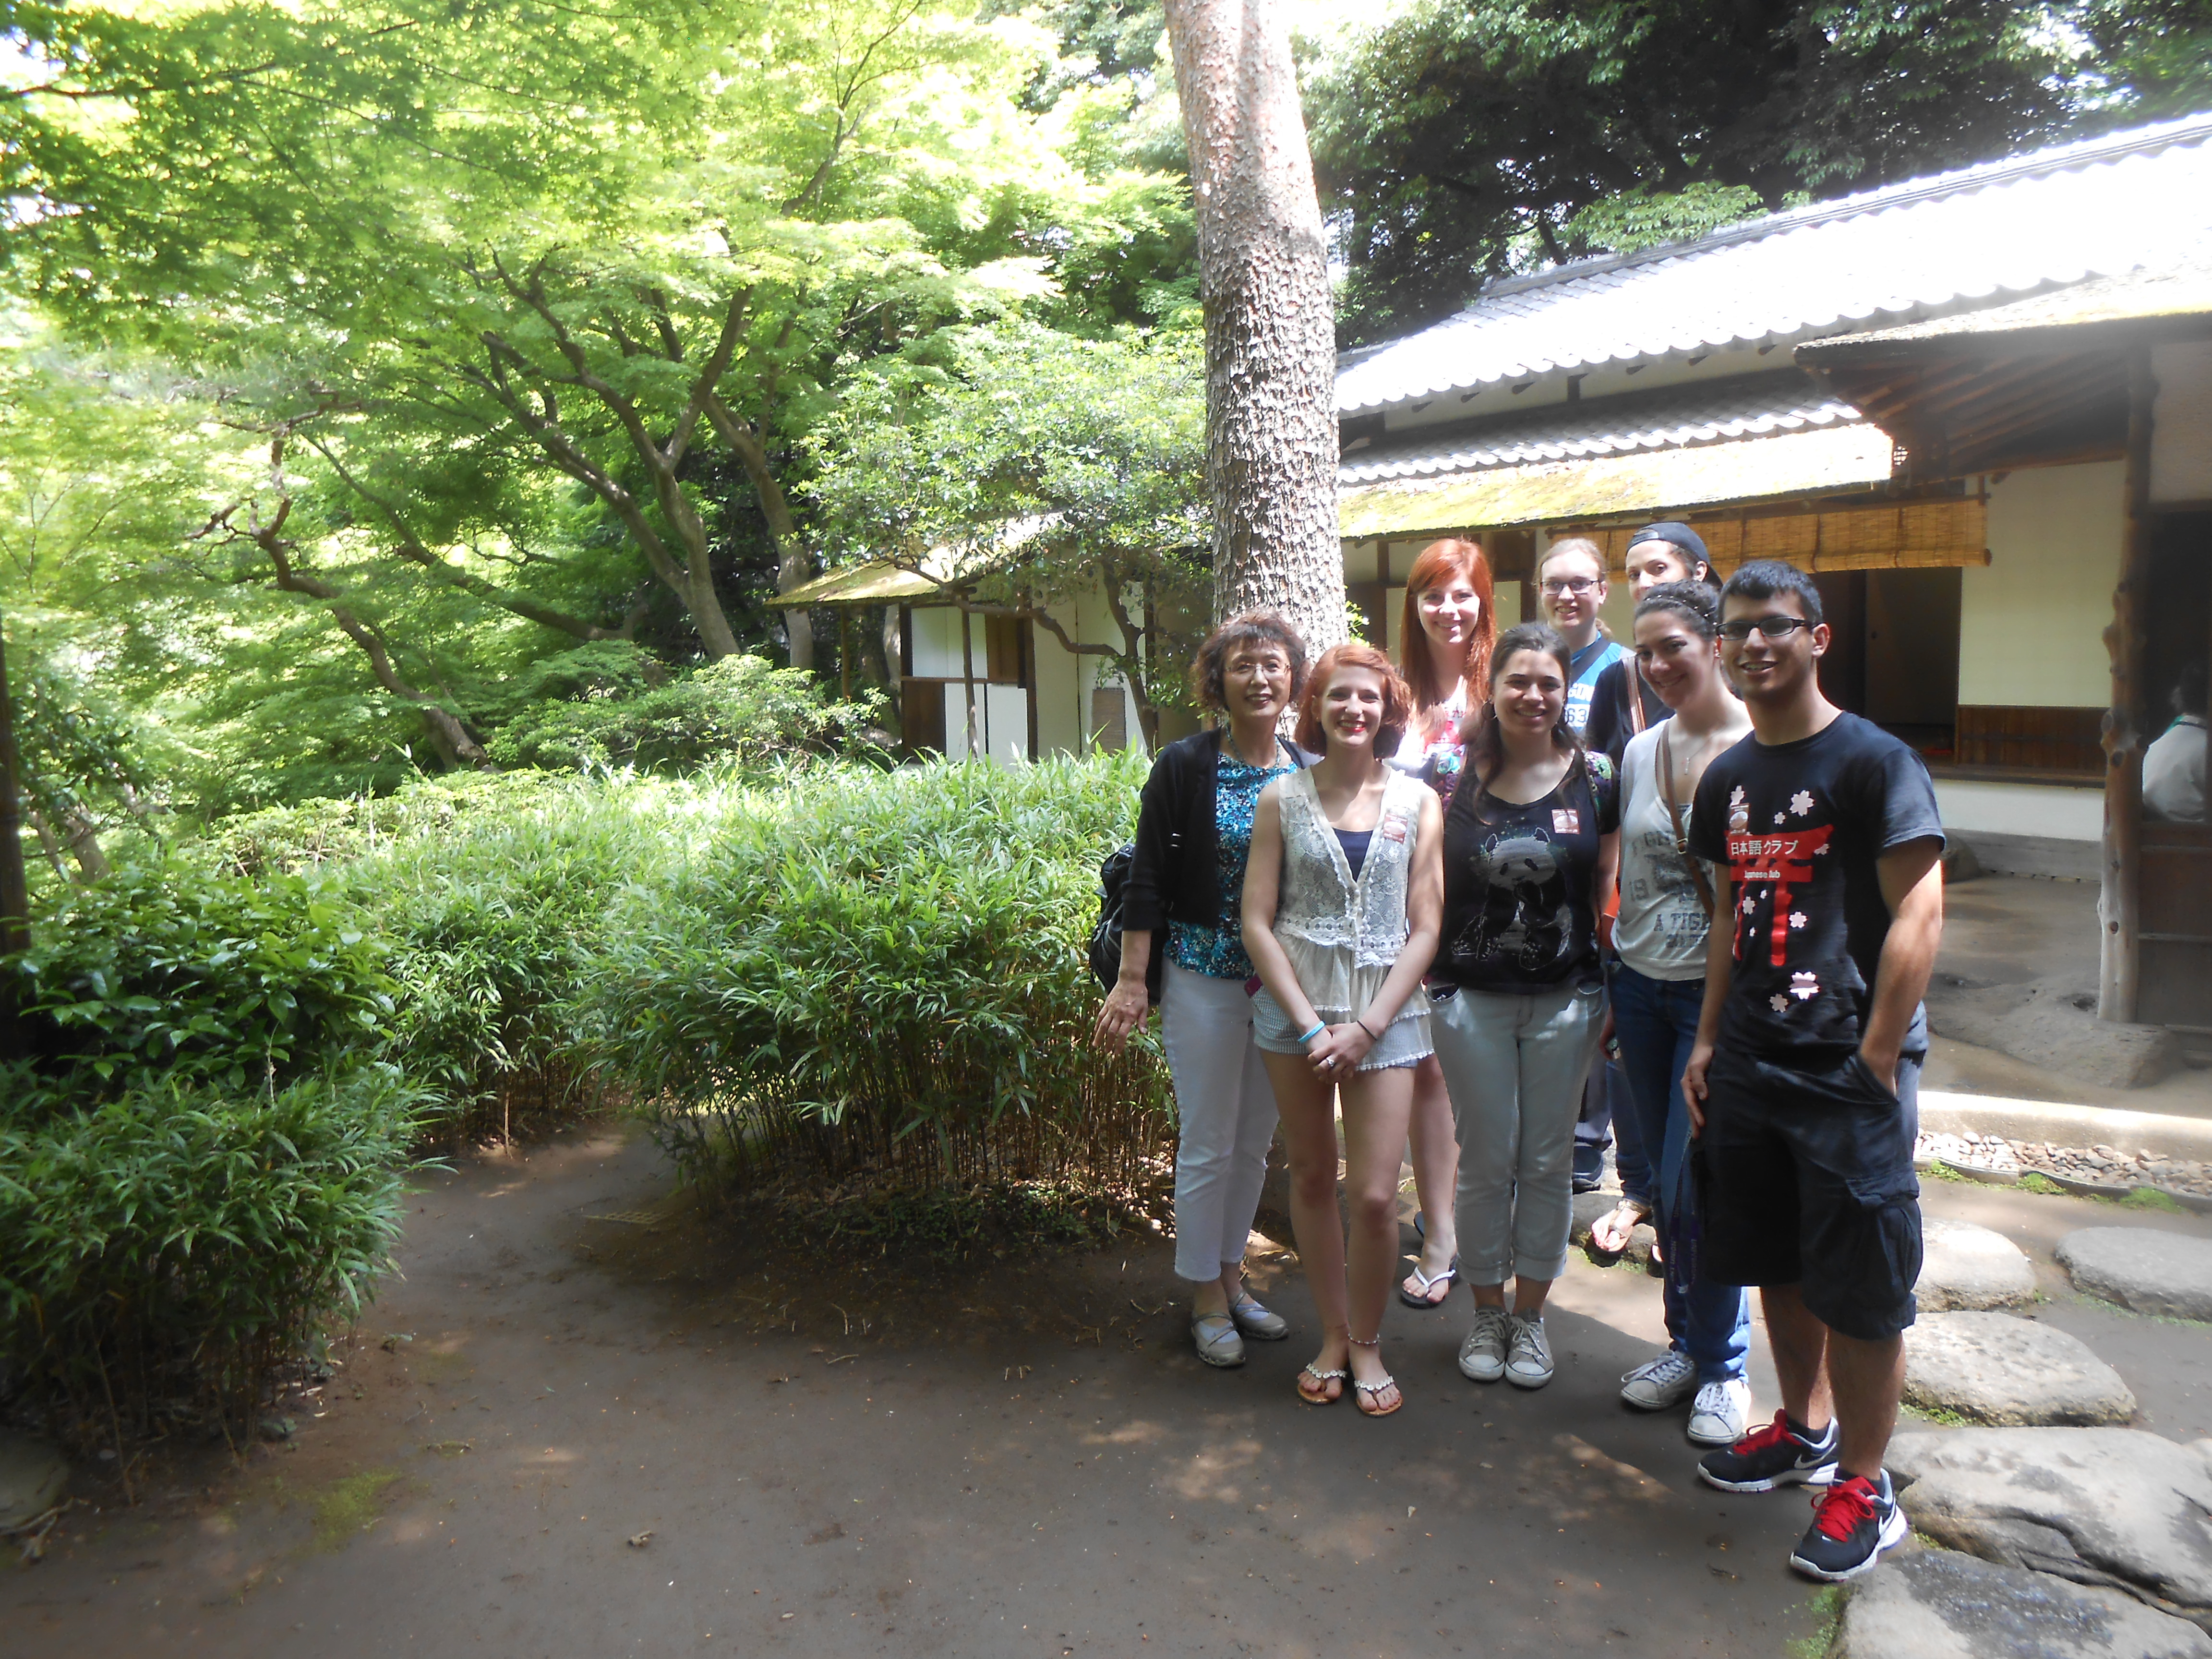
(1806, 1178)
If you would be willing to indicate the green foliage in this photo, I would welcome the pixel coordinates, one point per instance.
(897, 990)
(2036, 1181)
(743, 709)
(1826, 1609)
(1026, 468)
(166, 972)
(1457, 142)
(162, 1250)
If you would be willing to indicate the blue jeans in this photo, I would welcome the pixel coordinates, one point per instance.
(1656, 1021)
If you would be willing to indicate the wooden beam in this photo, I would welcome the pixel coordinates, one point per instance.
(2119, 906)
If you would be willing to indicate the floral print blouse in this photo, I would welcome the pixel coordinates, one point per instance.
(1218, 951)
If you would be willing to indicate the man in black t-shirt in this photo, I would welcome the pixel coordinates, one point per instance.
(1804, 1082)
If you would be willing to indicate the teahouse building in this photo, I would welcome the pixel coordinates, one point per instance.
(1977, 406)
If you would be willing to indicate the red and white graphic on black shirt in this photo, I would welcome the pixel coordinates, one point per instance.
(1783, 864)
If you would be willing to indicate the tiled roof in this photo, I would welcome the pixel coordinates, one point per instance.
(1983, 235)
(1676, 417)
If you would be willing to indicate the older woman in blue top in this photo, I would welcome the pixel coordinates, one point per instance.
(1194, 834)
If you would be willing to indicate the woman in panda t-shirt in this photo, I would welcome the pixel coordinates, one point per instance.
(1516, 997)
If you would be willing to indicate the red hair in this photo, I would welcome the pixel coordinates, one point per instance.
(1397, 699)
(1433, 682)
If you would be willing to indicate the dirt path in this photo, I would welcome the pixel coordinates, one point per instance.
(1000, 1462)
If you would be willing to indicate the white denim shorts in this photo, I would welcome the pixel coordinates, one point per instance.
(1405, 1040)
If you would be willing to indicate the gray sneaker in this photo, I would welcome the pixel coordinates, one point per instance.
(1660, 1384)
(1215, 1339)
(1253, 1320)
(1482, 1356)
(1722, 1414)
(1529, 1360)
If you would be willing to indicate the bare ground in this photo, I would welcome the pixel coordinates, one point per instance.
(824, 1457)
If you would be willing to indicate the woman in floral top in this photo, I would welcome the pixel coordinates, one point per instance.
(1448, 629)
(1186, 877)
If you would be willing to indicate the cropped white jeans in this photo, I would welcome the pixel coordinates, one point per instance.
(1515, 1066)
(1227, 1111)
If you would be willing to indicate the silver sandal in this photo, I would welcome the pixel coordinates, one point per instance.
(1322, 1378)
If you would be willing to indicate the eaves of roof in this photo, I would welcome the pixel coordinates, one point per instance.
(1673, 417)
(1963, 240)
(1821, 461)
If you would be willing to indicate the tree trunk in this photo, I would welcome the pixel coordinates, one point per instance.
(1270, 341)
(792, 567)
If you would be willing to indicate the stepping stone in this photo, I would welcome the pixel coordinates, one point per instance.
(32, 1476)
(2119, 1508)
(1993, 1368)
(1940, 1604)
(2144, 1268)
(1969, 1267)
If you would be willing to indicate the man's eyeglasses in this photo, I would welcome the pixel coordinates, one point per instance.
(1577, 585)
(1774, 627)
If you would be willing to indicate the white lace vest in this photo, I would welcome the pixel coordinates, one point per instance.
(1342, 936)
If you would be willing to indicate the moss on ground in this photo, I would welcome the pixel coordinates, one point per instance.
(346, 1508)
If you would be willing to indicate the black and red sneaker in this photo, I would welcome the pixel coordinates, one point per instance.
(1776, 1456)
(1854, 1522)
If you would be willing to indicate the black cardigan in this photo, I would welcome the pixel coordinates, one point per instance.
(1174, 875)
(1610, 725)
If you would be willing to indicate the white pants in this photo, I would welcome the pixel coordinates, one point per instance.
(1226, 1112)
(1515, 1066)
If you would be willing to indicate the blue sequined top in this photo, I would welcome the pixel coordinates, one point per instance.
(1218, 951)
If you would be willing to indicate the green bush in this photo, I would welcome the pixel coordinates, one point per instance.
(743, 709)
(881, 976)
(161, 1251)
(165, 971)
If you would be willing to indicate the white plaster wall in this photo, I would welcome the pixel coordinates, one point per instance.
(1061, 688)
(2021, 809)
(2032, 621)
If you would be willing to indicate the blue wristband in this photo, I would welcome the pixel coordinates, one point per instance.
(1309, 1035)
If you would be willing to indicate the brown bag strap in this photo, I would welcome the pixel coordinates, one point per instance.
(1666, 760)
(1635, 696)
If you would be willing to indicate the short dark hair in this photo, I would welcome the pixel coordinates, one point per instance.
(2188, 690)
(1252, 628)
(1767, 579)
(1694, 602)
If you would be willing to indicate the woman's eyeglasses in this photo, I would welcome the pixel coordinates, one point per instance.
(1577, 585)
(1774, 627)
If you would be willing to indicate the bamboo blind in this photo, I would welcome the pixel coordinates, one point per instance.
(1910, 535)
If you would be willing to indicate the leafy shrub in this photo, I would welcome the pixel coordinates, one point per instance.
(161, 1251)
(165, 971)
(881, 976)
(742, 708)
(310, 835)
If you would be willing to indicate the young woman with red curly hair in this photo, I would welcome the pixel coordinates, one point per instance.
(1342, 897)
(1444, 645)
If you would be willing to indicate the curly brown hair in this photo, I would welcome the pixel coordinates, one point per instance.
(1252, 628)
(1397, 697)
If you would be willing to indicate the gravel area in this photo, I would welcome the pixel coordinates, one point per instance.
(2104, 1164)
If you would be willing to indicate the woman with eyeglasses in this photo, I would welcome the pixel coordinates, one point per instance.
(1658, 984)
(1571, 574)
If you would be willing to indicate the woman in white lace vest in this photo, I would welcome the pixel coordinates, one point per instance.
(1342, 897)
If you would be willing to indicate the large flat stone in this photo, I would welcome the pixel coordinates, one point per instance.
(2115, 1507)
(1996, 1368)
(1940, 1604)
(1966, 1267)
(2145, 1268)
(32, 1476)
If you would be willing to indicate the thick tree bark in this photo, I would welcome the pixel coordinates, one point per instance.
(1270, 338)
(792, 567)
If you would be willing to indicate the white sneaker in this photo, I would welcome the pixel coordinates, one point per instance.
(1659, 1384)
(1721, 1413)
(1530, 1363)
(1482, 1356)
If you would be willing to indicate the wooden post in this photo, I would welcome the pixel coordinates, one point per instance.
(2119, 905)
(968, 679)
(15, 890)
